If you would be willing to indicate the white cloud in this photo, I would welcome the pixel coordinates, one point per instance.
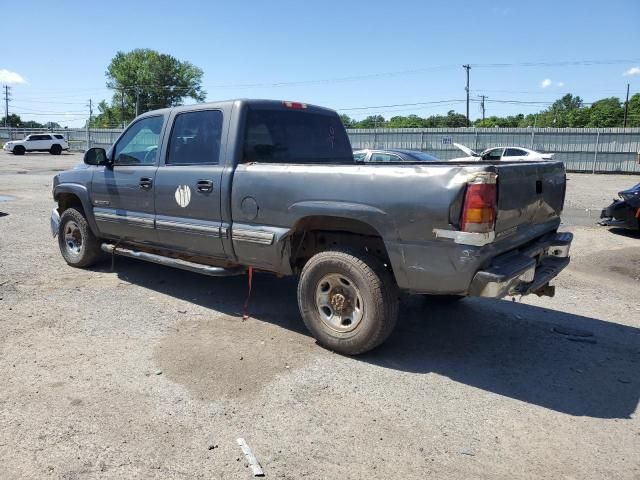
(9, 77)
(632, 71)
(547, 82)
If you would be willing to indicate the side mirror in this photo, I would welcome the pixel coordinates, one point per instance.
(95, 156)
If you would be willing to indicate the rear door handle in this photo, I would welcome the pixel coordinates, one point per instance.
(145, 183)
(204, 186)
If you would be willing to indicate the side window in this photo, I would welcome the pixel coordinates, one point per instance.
(514, 152)
(46, 137)
(31, 138)
(360, 156)
(59, 137)
(195, 138)
(139, 144)
(384, 158)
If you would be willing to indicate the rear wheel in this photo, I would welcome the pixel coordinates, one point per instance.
(348, 301)
(18, 150)
(55, 149)
(78, 245)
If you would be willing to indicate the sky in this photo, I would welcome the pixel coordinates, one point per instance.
(344, 55)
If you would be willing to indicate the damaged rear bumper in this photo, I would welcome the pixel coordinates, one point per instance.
(524, 271)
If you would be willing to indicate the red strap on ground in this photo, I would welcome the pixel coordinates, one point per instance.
(245, 312)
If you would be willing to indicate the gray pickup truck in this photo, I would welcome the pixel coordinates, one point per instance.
(221, 188)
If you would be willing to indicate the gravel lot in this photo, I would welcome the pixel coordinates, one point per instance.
(149, 372)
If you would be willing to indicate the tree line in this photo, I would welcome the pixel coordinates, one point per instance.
(568, 111)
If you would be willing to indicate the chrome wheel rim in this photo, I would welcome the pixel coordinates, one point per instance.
(339, 302)
(72, 238)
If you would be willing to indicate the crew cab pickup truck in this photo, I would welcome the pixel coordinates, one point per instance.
(231, 187)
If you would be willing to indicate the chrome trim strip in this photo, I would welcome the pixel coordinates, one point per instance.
(466, 238)
(252, 236)
(188, 227)
(115, 218)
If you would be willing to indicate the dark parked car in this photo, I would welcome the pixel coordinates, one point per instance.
(392, 156)
(624, 212)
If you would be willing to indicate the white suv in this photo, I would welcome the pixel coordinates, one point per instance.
(54, 143)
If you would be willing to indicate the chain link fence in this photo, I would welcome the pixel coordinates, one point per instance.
(597, 150)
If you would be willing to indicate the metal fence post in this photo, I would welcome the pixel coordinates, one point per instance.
(533, 132)
(88, 139)
(595, 153)
(475, 142)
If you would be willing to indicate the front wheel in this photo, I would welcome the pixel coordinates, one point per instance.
(18, 150)
(78, 245)
(348, 301)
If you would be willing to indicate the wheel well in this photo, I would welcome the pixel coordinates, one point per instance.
(69, 200)
(316, 234)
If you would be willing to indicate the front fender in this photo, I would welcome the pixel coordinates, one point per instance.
(82, 193)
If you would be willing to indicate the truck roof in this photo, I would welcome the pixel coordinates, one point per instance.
(259, 103)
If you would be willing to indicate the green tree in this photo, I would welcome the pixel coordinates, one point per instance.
(607, 112)
(150, 78)
(372, 121)
(13, 120)
(633, 114)
(347, 121)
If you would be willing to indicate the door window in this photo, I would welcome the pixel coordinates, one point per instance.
(493, 154)
(195, 138)
(360, 156)
(139, 144)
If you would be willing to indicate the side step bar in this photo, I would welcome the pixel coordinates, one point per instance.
(173, 262)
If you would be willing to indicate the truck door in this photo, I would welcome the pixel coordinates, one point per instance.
(122, 193)
(188, 194)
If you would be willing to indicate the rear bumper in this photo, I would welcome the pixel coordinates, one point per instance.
(526, 271)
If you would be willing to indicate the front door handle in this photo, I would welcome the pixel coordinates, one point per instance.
(145, 183)
(204, 186)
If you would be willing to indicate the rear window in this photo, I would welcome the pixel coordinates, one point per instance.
(59, 137)
(281, 136)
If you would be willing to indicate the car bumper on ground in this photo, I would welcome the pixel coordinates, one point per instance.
(55, 222)
(524, 271)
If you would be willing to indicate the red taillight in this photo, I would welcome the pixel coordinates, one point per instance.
(479, 210)
(295, 105)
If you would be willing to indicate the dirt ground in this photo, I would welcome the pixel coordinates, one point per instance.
(149, 372)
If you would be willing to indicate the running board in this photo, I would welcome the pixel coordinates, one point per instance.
(173, 262)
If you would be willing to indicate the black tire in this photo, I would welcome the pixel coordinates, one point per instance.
(18, 150)
(55, 149)
(371, 282)
(79, 247)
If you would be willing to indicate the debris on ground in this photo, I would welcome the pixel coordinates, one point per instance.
(251, 458)
(573, 332)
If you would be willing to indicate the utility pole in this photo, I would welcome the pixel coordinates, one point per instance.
(482, 105)
(7, 97)
(137, 100)
(89, 124)
(467, 68)
(626, 108)
(122, 107)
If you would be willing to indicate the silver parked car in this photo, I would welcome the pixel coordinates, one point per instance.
(392, 156)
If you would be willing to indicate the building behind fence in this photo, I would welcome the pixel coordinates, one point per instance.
(581, 149)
